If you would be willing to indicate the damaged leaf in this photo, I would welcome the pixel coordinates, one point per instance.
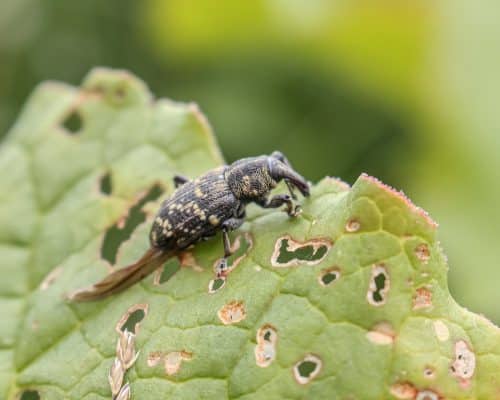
(348, 300)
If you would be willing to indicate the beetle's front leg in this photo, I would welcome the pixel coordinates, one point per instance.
(227, 226)
(293, 210)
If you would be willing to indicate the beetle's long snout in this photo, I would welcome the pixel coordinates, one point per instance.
(280, 171)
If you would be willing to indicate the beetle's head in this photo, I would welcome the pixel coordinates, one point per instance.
(281, 169)
(253, 178)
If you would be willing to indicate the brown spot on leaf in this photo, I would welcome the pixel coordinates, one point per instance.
(464, 365)
(422, 298)
(232, 313)
(265, 350)
(172, 361)
(423, 253)
(353, 225)
(403, 390)
(429, 372)
(154, 358)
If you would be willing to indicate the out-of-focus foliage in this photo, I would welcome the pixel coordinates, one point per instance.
(405, 91)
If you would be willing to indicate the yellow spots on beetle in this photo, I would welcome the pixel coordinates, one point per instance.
(246, 184)
(198, 192)
(264, 175)
(159, 221)
(213, 220)
(167, 233)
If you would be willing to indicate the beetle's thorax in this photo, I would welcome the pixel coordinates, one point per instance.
(250, 178)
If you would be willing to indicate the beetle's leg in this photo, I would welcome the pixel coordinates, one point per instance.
(292, 209)
(290, 189)
(180, 180)
(227, 226)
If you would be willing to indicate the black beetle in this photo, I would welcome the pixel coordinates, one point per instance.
(198, 209)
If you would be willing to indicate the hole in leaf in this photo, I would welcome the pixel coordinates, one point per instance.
(379, 285)
(427, 395)
(240, 247)
(120, 93)
(105, 184)
(29, 395)
(170, 268)
(307, 369)
(136, 317)
(288, 252)
(306, 253)
(216, 284)
(328, 276)
(132, 318)
(123, 229)
(73, 123)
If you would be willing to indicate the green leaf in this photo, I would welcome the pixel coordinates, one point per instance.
(349, 300)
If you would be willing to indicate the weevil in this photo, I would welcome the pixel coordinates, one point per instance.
(199, 208)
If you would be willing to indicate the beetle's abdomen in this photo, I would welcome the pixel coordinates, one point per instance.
(194, 211)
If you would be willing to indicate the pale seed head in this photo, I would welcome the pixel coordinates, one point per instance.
(125, 349)
(115, 376)
(124, 393)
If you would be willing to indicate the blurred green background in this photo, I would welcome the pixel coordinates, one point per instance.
(408, 91)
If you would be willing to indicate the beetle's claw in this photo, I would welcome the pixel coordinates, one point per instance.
(295, 211)
(221, 268)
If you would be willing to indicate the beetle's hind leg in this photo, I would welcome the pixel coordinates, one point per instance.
(227, 226)
(180, 180)
(292, 209)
